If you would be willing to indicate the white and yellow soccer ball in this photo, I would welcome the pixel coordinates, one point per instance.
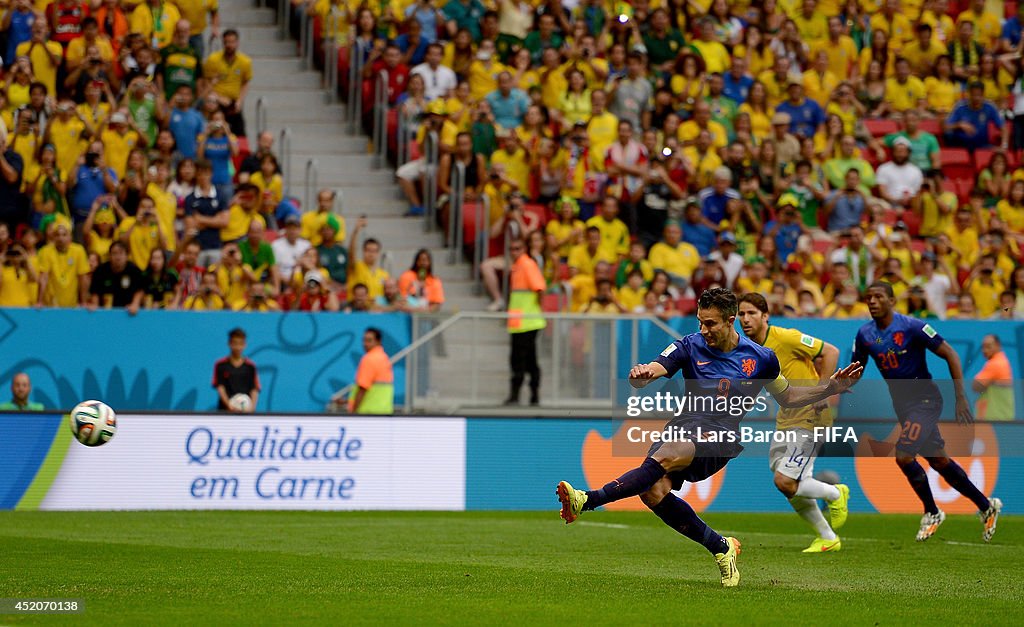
(240, 402)
(93, 423)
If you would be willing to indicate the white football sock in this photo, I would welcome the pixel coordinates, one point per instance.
(808, 510)
(814, 489)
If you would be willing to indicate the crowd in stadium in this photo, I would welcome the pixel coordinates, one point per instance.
(799, 149)
(126, 179)
(647, 150)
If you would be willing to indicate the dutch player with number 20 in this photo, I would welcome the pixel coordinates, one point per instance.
(898, 344)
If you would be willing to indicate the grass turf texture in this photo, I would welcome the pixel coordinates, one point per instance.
(496, 567)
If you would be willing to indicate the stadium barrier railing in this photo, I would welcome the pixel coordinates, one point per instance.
(262, 104)
(354, 110)
(456, 202)
(379, 137)
(310, 179)
(431, 152)
(284, 148)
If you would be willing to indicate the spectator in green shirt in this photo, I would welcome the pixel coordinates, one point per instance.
(663, 42)
(259, 255)
(924, 147)
(21, 387)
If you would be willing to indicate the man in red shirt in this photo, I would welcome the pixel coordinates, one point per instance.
(387, 60)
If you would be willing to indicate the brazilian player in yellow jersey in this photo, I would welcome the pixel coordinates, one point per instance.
(792, 460)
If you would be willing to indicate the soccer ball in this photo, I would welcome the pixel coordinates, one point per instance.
(240, 402)
(93, 423)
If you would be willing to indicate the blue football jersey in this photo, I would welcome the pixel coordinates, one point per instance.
(900, 351)
(736, 377)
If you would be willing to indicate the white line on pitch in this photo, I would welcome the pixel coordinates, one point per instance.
(601, 524)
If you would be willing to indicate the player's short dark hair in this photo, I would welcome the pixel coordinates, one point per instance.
(755, 299)
(236, 332)
(719, 298)
(375, 332)
(882, 285)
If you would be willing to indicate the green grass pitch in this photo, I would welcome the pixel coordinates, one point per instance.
(275, 568)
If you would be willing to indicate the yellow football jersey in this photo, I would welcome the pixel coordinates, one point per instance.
(796, 352)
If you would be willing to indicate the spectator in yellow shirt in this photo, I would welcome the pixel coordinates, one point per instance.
(63, 269)
(904, 91)
(484, 71)
(840, 49)
(584, 257)
(677, 258)
(45, 56)
(812, 23)
(119, 139)
(987, 25)
(155, 21)
(894, 24)
(566, 230)
(923, 51)
(984, 287)
(614, 232)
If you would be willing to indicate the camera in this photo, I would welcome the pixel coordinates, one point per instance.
(91, 159)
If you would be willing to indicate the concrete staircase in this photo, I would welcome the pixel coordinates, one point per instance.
(294, 98)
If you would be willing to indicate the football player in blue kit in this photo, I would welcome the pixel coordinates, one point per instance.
(898, 345)
(717, 363)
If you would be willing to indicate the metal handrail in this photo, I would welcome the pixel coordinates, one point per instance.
(404, 137)
(310, 183)
(418, 343)
(482, 241)
(282, 18)
(380, 120)
(262, 103)
(432, 151)
(210, 47)
(285, 150)
(330, 47)
(355, 82)
(456, 203)
(306, 40)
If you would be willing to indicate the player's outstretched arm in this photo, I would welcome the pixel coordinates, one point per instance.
(642, 374)
(841, 381)
(964, 415)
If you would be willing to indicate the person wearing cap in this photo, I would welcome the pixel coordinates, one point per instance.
(968, 124)
(315, 295)
(63, 269)
(787, 146)
(410, 173)
(332, 253)
(806, 117)
(288, 248)
(899, 180)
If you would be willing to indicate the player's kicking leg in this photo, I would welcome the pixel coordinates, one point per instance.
(651, 482)
(793, 463)
(988, 508)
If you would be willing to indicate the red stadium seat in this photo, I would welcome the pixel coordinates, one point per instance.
(881, 127)
(932, 126)
(949, 185)
(912, 221)
(954, 157)
(551, 303)
(1009, 9)
(982, 156)
(541, 211)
